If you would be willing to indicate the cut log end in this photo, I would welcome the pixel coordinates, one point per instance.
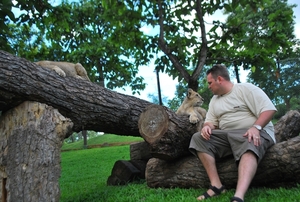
(153, 123)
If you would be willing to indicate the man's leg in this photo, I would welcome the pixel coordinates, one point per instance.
(246, 171)
(209, 164)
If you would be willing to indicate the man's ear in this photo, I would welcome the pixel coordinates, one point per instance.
(219, 78)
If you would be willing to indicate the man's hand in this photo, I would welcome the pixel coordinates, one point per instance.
(206, 132)
(253, 134)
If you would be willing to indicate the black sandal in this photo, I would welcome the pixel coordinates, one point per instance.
(216, 190)
(236, 199)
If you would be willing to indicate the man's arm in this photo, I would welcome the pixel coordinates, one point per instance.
(264, 118)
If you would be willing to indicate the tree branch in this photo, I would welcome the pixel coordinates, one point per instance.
(204, 49)
(164, 46)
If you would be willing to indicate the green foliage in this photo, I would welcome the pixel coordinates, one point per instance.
(254, 38)
(29, 12)
(282, 85)
(110, 52)
(5, 15)
(179, 32)
(79, 32)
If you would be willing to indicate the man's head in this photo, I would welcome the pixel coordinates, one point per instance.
(218, 79)
(219, 70)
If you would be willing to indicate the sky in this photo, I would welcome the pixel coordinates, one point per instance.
(168, 85)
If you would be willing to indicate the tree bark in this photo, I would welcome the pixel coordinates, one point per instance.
(140, 151)
(87, 104)
(288, 126)
(31, 136)
(168, 134)
(123, 172)
(279, 167)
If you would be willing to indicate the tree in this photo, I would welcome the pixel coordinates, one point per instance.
(30, 11)
(80, 34)
(180, 39)
(283, 83)
(187, 46)
(85, 36)
(26, 42)
(255, 38)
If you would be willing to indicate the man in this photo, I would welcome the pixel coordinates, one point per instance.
(238, 123)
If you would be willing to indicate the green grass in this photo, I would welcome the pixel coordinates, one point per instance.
(102, 141)
(85, 172)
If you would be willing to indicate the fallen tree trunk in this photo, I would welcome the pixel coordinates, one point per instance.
(280, 166)
(168, 134)
(88, 105)
(288, 126)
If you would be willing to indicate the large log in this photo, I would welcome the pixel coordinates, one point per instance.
(31, 136)
(123, 172)
(279, 167)
(88, 105)
(133, 170)
(288, 126)
(168, 134)
(140, 151)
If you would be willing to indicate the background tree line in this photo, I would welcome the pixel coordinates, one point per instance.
(107, 37)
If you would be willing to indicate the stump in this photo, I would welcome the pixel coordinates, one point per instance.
(31, 136)
(167, 133)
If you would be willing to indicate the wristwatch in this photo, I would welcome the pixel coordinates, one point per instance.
(258, 127)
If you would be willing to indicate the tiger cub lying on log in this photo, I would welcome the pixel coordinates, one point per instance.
(191, 106)
(66, 69)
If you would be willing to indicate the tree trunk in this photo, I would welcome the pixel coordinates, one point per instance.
(288, 126)
(87, 104)
(279, 167)
(84, 134)
(31, 136)
(140, 151)
(168, 134)
(123, 172)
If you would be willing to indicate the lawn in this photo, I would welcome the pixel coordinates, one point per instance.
(102, 141)
(85, 172)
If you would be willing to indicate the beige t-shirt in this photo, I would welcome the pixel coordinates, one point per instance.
(240, 108)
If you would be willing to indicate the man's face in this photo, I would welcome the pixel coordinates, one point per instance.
(213, 84)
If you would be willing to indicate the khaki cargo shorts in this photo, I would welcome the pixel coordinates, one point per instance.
(224, 143)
